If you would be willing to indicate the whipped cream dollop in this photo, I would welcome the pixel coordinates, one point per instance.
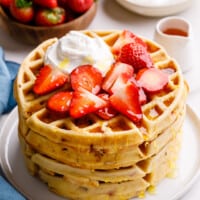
(76, 48)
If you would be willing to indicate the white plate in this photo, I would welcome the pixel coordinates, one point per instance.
(155, 8)
(188, 170)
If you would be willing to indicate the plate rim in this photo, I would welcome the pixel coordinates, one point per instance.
(155, 11)
(7, 174)
(172, 3)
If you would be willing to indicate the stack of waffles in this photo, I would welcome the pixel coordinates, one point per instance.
(91, 158)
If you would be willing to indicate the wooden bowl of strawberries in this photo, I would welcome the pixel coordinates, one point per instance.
(33, 21)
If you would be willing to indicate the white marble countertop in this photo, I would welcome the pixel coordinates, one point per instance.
(111, 15)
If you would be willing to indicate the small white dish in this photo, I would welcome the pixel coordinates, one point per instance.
(155, 8)
(188, 167)
(175, 35)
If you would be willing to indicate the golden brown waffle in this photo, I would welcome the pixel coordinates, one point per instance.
(91, 158)
(122, 183)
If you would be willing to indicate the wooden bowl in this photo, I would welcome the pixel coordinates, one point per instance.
(36, 34)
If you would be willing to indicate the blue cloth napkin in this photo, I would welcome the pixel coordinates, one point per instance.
(8, 71)
(7, 192)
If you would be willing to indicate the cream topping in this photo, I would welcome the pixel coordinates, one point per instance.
(76, 48)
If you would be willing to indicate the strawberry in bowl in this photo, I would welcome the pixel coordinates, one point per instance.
(31, 18)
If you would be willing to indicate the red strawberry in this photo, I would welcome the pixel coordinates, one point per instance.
(46, 3)
(108, 111)
(5, 3)
(125, 38)
(142, 95)
(85, 102)
(87, 77)
(49, 79)
(152, 79)
(80, 6)
(50, 17)
(22, 10)
(135, 55)
(125, 98)
(115, 70)
(60, 103)
(63, 3)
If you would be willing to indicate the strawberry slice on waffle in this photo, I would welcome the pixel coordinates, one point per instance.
(49, 79)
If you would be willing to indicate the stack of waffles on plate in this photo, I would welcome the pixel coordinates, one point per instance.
(94, 157)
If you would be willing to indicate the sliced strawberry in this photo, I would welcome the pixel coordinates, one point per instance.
(87, 77)
(125, 98)
(114, 72)
(49, 79)
(108, 111)
(85, 102)
(142, 95)
(60, 102)
(152, 79)
(135, 55)
(125, 38)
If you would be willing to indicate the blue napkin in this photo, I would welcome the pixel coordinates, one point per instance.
(8, 71)
(7, 192)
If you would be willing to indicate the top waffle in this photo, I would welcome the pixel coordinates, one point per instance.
(91, 133)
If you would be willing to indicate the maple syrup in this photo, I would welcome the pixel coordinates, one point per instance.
(175, 31)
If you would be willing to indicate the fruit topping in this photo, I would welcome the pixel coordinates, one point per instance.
(125, 98)
(85, 102)
(60, 102)
(108, 111)
(125, 38)
(136, 55)
(127, 85)
(152, 79)
(49, 79)
(87, 77)
(142, 96)
(115, 70)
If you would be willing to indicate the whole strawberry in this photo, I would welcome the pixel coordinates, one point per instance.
(46, 3)
(5, 3)
(136, 55)
(50, 17)
(22, 10)
(80, 6)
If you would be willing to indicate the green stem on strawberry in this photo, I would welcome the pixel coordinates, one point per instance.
(23, 3)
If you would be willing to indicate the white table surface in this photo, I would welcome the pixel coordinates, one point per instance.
(111, 15)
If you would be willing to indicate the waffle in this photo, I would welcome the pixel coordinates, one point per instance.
(91, 158)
